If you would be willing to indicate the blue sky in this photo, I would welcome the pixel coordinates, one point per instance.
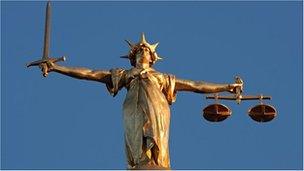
(62, 123)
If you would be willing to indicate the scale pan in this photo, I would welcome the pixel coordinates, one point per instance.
(216, 112)
(262, 113)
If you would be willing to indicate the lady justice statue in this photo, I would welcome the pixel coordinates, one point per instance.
(146, 111)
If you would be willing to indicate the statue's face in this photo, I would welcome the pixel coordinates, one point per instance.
(143, 55)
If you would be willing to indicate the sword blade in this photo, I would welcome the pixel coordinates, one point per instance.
(47, 31)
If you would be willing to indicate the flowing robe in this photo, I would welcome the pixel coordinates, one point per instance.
(146, 114)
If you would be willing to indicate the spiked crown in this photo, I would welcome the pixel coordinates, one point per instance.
(135, 47)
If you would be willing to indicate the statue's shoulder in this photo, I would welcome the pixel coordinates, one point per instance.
(117, 73)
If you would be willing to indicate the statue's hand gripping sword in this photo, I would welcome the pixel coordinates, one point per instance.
(42, 63)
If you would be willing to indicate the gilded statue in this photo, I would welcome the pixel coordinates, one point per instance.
(146, 108)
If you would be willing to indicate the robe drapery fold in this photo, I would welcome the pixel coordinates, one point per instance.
(146, 114)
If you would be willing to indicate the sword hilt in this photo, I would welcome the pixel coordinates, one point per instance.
(42, 64)
(45, 68)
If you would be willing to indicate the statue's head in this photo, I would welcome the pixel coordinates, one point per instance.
(142, 52)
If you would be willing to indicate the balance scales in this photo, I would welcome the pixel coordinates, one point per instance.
(218, 112)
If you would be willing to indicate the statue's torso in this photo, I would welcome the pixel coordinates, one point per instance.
(146, 112)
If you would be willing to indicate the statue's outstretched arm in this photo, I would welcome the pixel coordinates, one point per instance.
(203, 87)
(81, 73)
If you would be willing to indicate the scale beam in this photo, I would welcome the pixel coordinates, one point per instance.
(261, 97)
